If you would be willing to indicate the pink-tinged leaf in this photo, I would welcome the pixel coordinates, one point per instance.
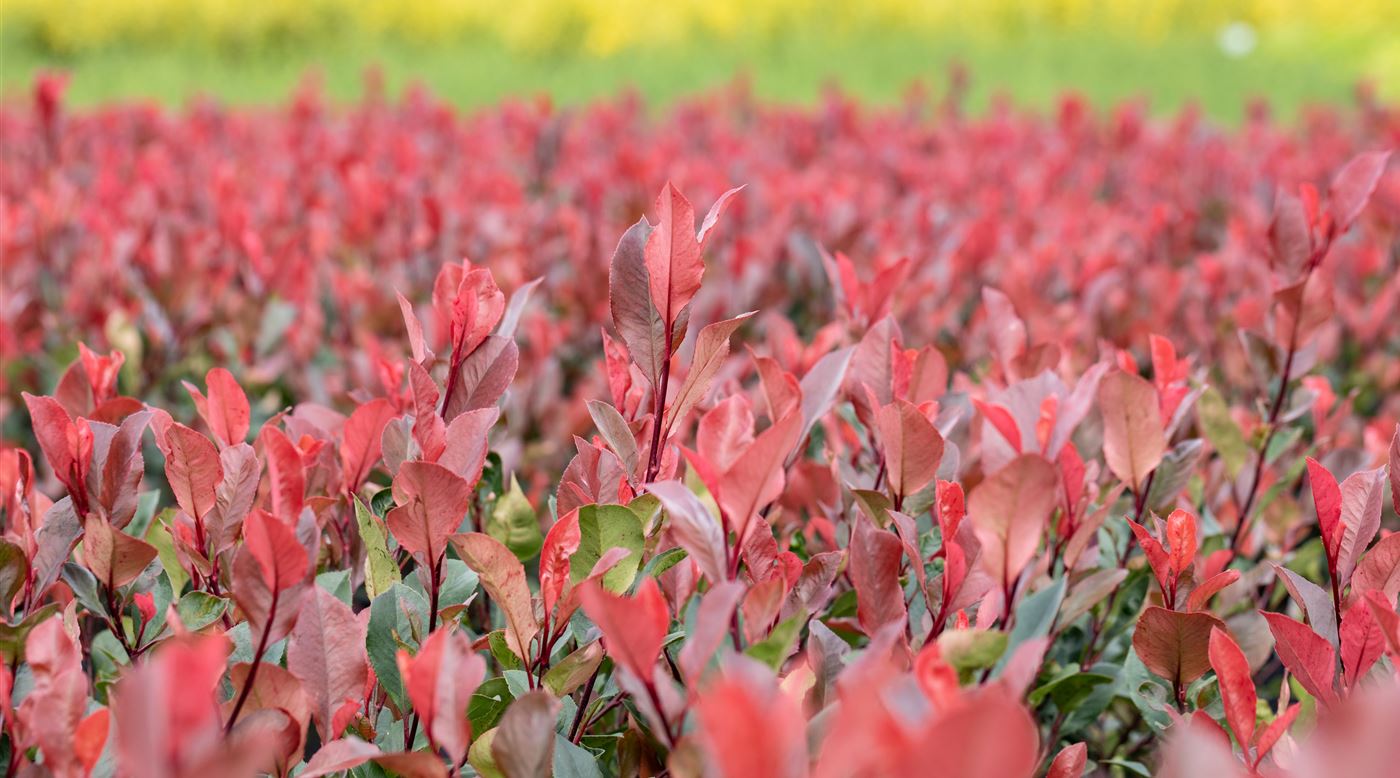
(235, 495)
(1327, 500)
(171, 693)
(1362, 640)
(637, 320)
(285, 473)
(440, 680)
(90, 739)
(326, 650)
(1380, 568)
(1181, 537)
(523, 746)
(276, 709)
(432, 501)
(361, 441)
(617, 433)
(1394, 470)
(225, 410)
(1308, 656)
(54, 541)
(1236, 686)
(711, 348)
(911, 445)
(485, 375)
(822, 384)
(745, 700)
(1353, 186)
(989, 736)
(559, 545)
(503, 578)
(1008, 512)
(1070, 762)
(1270, 735)
(1289, 235)
(634, 628)
(1157, 556)
(1200, 596)
(1383, 611)
(193, 470)
(756, 477)
(673, 261)
(1317, 603)
(121, 471)
(339, 756)
(694, 528)
(1363, 495)
(1002, 421)
(428, 427)
(114, 557)
(1008, 332)
(415, 330)
(1133, 440)
(269, 576)
(1175, 645)
(712, 622)
(874, 558)
(274, 545)
(53, 430)
(55, 705)
(712, 217)
(468, 443)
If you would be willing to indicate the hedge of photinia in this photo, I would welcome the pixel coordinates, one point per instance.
(938, 446)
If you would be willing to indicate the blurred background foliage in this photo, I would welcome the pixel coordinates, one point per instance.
(1219, 53)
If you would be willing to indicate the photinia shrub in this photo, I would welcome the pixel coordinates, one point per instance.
(1103, 476)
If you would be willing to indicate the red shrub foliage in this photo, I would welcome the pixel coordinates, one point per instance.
(999, 446)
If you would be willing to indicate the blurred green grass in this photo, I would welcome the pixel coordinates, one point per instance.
(1033, 72)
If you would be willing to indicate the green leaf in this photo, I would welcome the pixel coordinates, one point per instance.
(380, 570)
(501, 651)
(1068, 688)
(875, 505)
(12, 636)
(571, 761)
(777, 647)
(146, 505)
(1222, 431)
(198, 610)
(488, 703)
(513, 522)
(396, 620)
(381, 503)
(337, 582)
(661, 563)
(602, 528)
(1034, 617)
(84, 587)
(158, 535)
(573, 670)
(971, 649)
(480, 758)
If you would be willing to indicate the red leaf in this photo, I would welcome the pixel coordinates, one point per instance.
(1353, 186)
(226, 409)
(694, 528)
(1070, 762)
(1276, 729)
(633, 627)
(911, 445)
(503, 578)
(745, 700)
(756, 477)
(1181, 536)
(712, 622)
(280, 556)
(468, 443)
(1201, 595)
(1380, 568)
(361, 441)
(1363, 495)
(53, 428)
(1009, 510)
(1236, 686)
(326, 650)
(432, 501)
(1327, 500)
(1383, 610)
(559, 544)
(192, 469)
(91, 738)
(440, 681)
(1394, 470)
(1133, 441)
(1175, 645)
(114, 557)
(634, 315)
(172, 695)
(711, 348)
(874, 558)
(1306, 654)
(285, 473)
(1362, 642)
(673, 261)
(1001, 419)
